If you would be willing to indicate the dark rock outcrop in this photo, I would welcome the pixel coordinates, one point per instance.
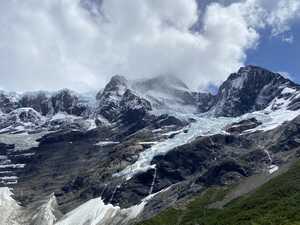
(117, 101)
(26, 117)
(39, 101)
(204, 101)
(8, 102)
(66, 101)
(133, 108)
(243, 125)
(250, 89)
(109, 99)
(49, 104)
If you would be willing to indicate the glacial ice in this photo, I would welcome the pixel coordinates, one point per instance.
(206, 125)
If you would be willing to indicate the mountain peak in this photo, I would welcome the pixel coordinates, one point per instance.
(118, 79)
(251, 68)
(251, 88)
(116, 86)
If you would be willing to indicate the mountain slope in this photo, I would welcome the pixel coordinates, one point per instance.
(276, 202)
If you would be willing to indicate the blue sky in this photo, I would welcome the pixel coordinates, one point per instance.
(277, 55)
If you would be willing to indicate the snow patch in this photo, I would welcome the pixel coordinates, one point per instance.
(63, 116)
(106, 143)
(96, 212)
(288, 90)
(45, 215)
(13, 166)
(8, 207)
(273, 168)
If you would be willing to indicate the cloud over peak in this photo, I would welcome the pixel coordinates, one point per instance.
(52, 44)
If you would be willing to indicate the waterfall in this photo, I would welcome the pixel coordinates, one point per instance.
(269, 156)
(103, 190)
(272, 167)
(153, 181)
(114, 192)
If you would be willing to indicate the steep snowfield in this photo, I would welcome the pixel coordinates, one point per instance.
(95, 212)
(9, 208)
(11, 213)
(45, 214)
(277, 112)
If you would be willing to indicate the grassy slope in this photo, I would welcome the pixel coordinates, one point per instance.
(275, 203)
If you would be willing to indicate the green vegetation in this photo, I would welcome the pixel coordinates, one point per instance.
(275, 203)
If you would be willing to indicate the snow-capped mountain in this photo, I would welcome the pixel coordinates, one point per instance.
(253, 88)
(45, 103)
(62, 101)
(122, 156)
(43, 110)
(117, 100)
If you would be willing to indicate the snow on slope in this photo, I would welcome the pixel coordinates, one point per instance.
(93, 212)
(277, 112)
(96, 212)
(9, 208)
(45, 214)
(11, 213)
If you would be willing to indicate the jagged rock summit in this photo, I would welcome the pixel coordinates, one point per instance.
(251, 89)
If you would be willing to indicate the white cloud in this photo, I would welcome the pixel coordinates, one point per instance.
(283, 13)
(288, 39)
(51, 44)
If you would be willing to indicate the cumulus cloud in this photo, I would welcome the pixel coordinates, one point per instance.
(282, 14)
(52, 44)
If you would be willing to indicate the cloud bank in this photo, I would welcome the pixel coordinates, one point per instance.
(52, 44)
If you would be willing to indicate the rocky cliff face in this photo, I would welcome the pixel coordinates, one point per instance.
(50, 104)
(8, 102)
(38, 101)
(204, 101)
(117, 101)
(250, 89)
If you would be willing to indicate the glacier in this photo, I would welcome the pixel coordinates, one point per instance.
(207, 125)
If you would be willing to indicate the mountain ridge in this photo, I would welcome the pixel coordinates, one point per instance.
(143, 146)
